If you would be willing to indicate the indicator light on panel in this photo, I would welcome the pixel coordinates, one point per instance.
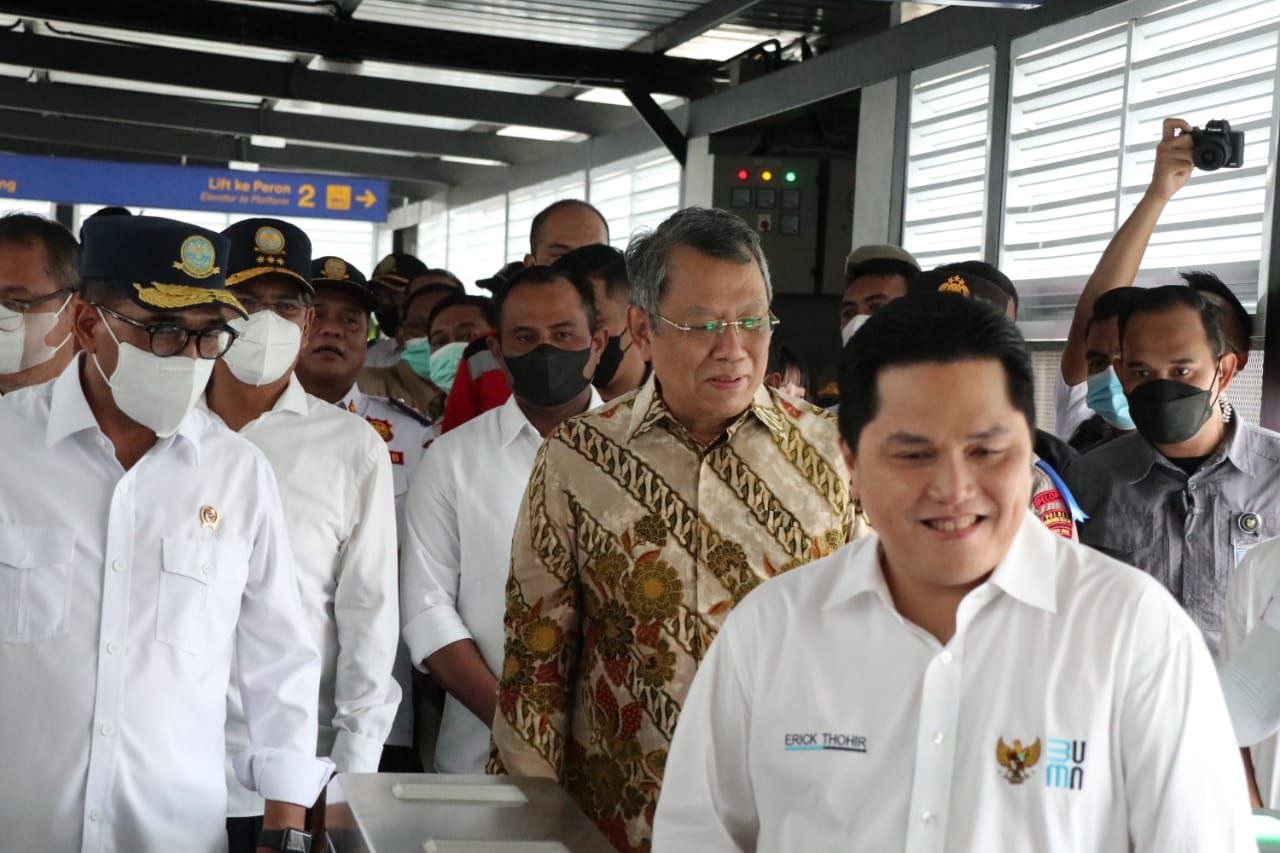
(790, 176)
(766, 176)
(743, 174)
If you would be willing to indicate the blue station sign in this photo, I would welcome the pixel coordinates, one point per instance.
(67, 180)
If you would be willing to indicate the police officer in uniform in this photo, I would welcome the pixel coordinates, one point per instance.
(390, 286)
(335, 484)
(328, 369)
(142, 543)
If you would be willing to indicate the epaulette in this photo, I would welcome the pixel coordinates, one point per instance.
(405, 407)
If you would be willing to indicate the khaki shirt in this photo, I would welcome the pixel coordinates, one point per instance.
(399, 382)
(1188, 532)
(632, 545)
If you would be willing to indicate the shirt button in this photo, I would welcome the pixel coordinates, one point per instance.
(118, 565)
(205, 569)
(1191, 486)
(95, 814)
(107, 730)
(945, 657)
(926, 818)
(113, 647)
(939, 737)
(1191, 537)
(102, 441)
(124, 488)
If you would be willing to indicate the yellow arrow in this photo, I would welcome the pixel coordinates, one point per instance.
(367, 198)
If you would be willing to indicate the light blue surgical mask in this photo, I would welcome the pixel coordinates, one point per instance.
(417, 354)
(1106, 398)
(444, 364)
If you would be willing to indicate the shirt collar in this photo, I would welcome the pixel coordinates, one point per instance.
(1028, 572)
(649, 411)
(354, 401)
(1136, 460)
(293, 400)
(69, 412)
(1241, 445)
(512, 420)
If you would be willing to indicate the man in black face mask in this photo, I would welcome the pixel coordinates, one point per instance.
(622, 369)
(1187, 494)
(463, 503)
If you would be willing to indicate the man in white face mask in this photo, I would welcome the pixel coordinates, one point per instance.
(39, 271)
(874, 276)
(336, 488)
(142, 546)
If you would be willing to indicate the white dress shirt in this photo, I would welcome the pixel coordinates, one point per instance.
(405, 437)
(122, 596)
(1250, 589)
(335, 485)
(823, 720)
(457, 555)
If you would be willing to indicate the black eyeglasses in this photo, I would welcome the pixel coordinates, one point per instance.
(28, 306)
(169, 339)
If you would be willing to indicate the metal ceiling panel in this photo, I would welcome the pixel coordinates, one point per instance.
(602, 23)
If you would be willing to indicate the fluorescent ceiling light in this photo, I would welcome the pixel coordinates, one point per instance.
(545, 134)
(243, 166)
(267, 141)
(474, 161)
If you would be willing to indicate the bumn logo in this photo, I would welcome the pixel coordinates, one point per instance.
(1065, 764)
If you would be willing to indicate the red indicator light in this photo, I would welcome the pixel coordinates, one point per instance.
(743, 174)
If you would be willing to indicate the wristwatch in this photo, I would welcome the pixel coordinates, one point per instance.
(288, 840)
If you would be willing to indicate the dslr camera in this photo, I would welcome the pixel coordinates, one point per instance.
(1217, 146)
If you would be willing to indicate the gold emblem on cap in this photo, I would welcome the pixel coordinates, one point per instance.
(269, 241)
(209, 517)
(388, 265)
(955, 284)
(197, 257)
(335, 268)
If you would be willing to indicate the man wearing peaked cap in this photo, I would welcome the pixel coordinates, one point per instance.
(336, 488)
(390, 282)
(152, 547)
(966, 284)
(329, 366)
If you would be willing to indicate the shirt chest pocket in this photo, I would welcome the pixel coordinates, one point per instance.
(35, 582)
(201, 584)
(1121, 535)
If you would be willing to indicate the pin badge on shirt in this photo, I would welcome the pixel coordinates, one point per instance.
(209, 518)
(1248, 522)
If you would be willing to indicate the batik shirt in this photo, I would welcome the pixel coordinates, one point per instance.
(632, 545)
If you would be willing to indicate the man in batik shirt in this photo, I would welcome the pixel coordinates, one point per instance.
(646, 522)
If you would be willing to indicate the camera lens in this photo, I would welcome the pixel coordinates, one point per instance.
(1209, 154)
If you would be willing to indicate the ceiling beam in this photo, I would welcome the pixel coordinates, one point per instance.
(283, 80)
(195, 114)
(339, 38)
(206, 146)
(706, 17)
(949, 32)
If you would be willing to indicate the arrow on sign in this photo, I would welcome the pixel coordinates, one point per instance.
(367, 198)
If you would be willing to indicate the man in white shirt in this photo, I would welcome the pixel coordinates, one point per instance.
(466, 495)
(963, 680)
(328, 367)
(141, 544)
(1250, 591)
(335, 484)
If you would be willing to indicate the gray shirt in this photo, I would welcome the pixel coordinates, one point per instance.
(1189, 533)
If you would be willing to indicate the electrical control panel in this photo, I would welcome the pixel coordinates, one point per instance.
(780, 197)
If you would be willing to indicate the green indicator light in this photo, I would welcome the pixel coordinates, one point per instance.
(789, 177)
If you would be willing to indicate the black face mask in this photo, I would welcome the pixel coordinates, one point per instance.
(610, 361)
(1169, 412)
(548, 376)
